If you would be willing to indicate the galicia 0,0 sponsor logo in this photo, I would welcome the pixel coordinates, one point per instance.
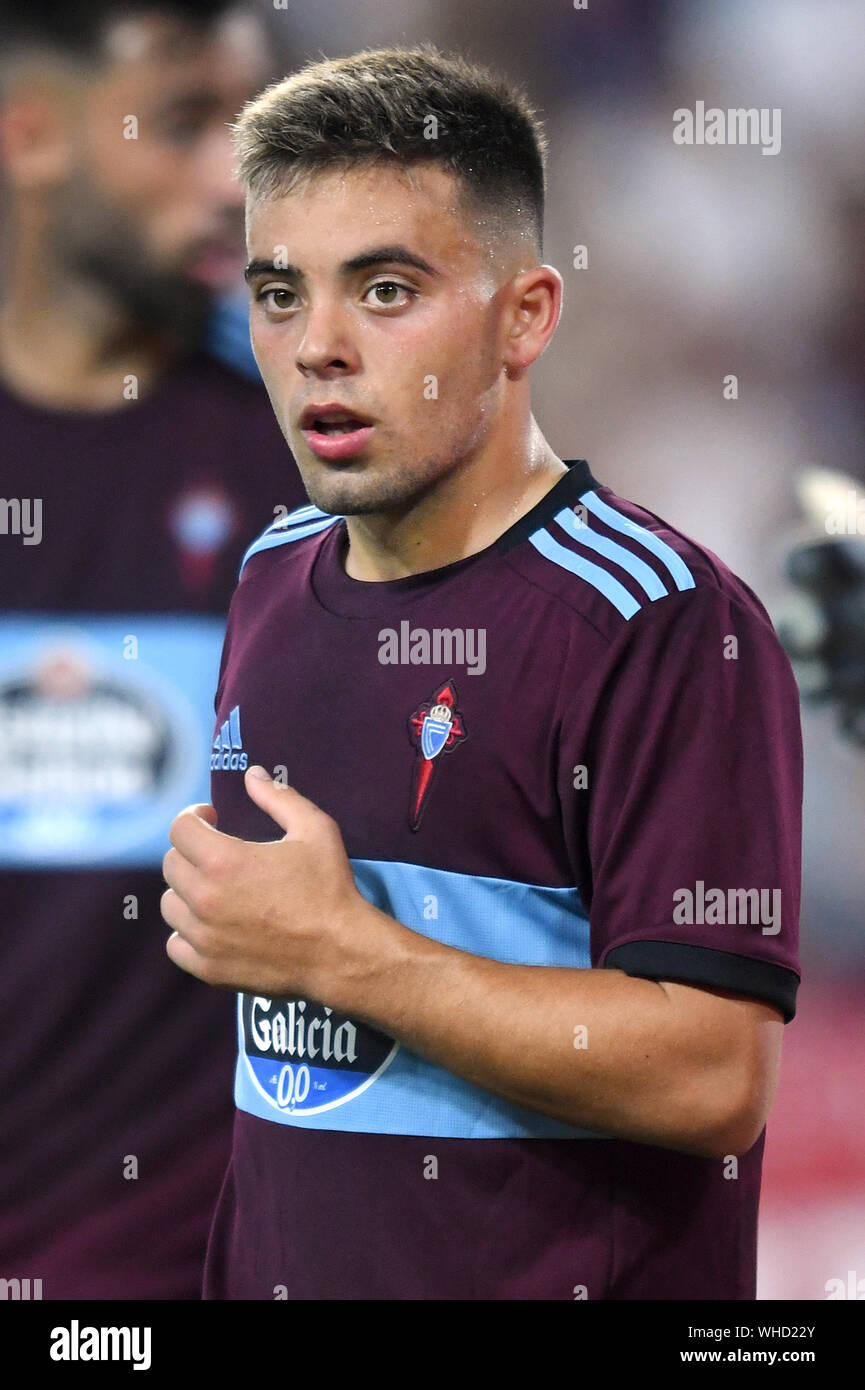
(303, 1057)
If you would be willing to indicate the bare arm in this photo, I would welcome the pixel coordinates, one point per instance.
(669, 1064)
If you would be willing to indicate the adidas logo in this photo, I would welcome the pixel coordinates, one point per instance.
(228, 754)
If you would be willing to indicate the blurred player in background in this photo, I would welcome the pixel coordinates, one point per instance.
(133, 466)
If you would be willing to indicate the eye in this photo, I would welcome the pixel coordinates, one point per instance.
(385, 292)
(279, 297)
(182, 132)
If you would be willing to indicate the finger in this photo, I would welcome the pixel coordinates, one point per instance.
(299, 817)
(180, 875)
(177, 915)
(185, 956)
(193, 832)
(206, 968)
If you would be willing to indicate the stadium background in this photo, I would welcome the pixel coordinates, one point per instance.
(704, 262)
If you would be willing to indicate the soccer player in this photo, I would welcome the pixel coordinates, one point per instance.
(134, 467)
(503, 854)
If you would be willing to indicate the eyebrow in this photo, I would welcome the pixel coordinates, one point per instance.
(379, 255)
(202, 99)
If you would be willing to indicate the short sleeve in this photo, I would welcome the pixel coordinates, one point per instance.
(688, 825)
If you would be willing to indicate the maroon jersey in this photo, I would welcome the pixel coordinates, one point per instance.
(121, 544)
(579, 747)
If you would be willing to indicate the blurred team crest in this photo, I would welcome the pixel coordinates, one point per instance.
(202, 519)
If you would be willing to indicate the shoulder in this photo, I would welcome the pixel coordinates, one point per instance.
(620, 568)
(200, 372)
(287, 530)
(226, 405)
(230, 412)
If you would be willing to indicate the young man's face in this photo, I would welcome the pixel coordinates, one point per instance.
(412, 348)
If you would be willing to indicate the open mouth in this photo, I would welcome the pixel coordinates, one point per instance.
(347, 426)
(334, 433)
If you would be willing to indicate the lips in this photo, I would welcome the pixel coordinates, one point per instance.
(334, 431)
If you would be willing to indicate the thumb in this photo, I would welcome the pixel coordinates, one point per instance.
(291, 811)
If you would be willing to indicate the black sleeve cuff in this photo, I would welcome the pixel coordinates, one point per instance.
(700, 965)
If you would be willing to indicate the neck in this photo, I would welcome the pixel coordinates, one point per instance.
(63, 343)
(466, 512)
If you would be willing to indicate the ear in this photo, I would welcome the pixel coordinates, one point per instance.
(36, 124)
(532, 315)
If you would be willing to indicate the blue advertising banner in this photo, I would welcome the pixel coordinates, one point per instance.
(106, 725)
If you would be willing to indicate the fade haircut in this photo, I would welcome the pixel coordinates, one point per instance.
(401, 107)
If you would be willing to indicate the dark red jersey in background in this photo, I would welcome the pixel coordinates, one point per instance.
(116, 568)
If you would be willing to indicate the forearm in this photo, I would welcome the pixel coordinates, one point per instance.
(594, 1048)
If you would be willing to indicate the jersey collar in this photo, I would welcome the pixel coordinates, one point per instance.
(354, 598)
(564, 493)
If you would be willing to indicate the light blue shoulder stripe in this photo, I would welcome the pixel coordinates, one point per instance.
(644, 574)
(599, 579)
(674, 563)
(272, 538)
(308, 513)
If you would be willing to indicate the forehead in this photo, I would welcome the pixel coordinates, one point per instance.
(165, 52)
(333, 214)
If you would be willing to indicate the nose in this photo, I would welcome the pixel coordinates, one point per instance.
(325, 347)
(218, 187)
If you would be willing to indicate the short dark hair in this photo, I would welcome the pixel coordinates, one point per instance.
(403, 106)
(77, 28)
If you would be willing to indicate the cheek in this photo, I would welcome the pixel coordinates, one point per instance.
(445, 362)
(274, 350)
(274, 363)
(147, 184)
(152, 202)
(132, 170)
